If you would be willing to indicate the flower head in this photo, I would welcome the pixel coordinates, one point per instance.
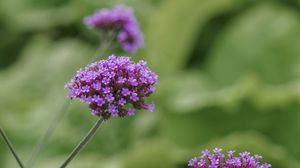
(219, 160)
(121, 20)
(106, 95)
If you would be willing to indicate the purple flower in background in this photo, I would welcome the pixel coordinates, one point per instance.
(130, 38)
(219, 160)
(114, 18)
(105, 95)
(122, 21)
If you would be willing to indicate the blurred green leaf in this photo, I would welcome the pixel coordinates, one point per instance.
(264, 41)
(173, 30)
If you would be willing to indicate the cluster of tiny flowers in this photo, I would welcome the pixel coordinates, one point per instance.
(122, 20)
(219, 160)
(114, 87)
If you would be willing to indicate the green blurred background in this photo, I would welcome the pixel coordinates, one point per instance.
(229, 78)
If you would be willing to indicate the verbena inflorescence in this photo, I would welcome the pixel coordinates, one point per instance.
(218, 160)
(114, 87)
(121, 20)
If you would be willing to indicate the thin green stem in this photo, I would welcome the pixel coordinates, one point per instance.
(11, 148)
(82, 143)
(106, 42)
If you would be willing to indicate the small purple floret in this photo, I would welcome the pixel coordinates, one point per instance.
(105, 95)
(130, 112)
(219, 160)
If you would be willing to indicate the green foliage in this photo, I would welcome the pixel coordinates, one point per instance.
(228, 74)
(263, 41)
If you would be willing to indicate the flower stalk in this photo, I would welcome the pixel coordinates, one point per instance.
(11, 148)
(83, 142)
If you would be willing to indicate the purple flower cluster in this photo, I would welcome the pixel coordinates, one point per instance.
(114, 87)
(122, 20)
(219, 160)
